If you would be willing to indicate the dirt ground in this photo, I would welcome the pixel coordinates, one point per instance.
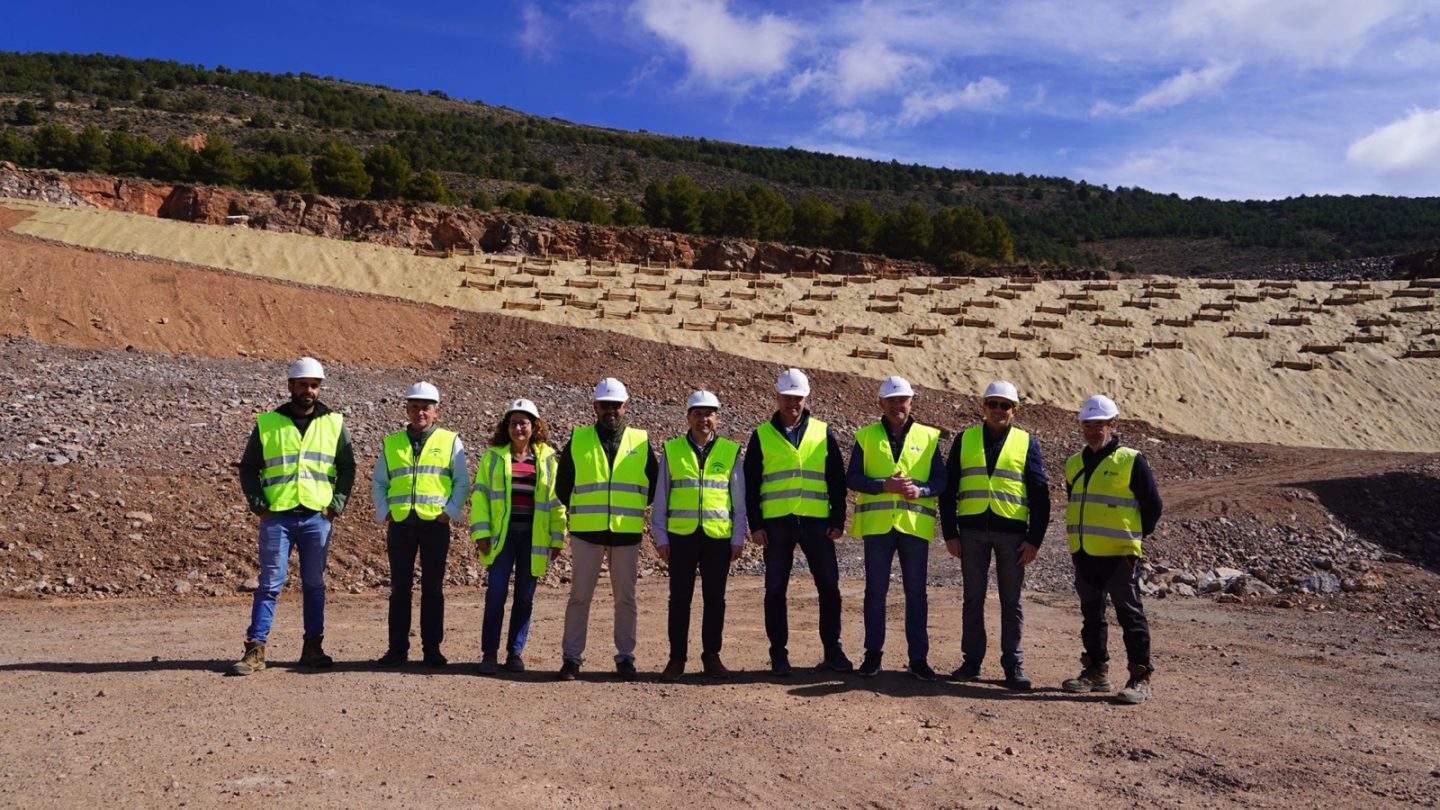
(130, 384)
(124, 702)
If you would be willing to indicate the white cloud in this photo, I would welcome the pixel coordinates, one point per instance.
(535, 37)
(1418, 53)
(922, 106)
(722, 50)
(1303, 32)
(851, 124)
(869, 67)
(1410, 145)
(1175, 90)
(1245, 167)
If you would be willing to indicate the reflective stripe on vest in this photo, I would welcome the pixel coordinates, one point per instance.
(1001, 491)
(886, 512)
(1102, 515)
(490, 506)
(792, 480)
(609, 496)
(299, 470)
(699, 499)
(422, 485)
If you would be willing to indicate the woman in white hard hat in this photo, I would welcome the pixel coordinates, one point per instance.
(517, 525)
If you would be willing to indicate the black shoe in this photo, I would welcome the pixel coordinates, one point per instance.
(393, 658)
(780, 666)
(835, 662)
(870, 667)
(1016, 679)
(626, 670)
(434, 659)
(920, 668)
(968, 671)
(513, 663)
(569, 671)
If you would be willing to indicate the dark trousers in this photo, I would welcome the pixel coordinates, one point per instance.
(431, 539)
(914, 553)
(783, 536)
(709, 556)
(514, 557)
(1119, 578)
(976, 548)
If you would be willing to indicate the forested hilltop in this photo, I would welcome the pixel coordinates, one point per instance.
(187, 123)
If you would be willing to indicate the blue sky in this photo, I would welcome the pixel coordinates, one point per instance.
(1235, 99)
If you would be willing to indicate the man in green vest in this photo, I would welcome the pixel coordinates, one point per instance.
(606, 479)
(897, 472)
(419, 486)
(795, 496)
(699, 526)
(996, 503)
(296, 473)
(1112, 505)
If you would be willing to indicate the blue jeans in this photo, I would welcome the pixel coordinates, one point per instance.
(880, 550)
(977, 548)
(310, 535)
(514, 555)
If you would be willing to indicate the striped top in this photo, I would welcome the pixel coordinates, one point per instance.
(522, 489)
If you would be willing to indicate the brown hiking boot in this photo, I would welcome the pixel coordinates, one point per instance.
(313, 655)
(713, 667)
(253, 660)
(1093, 678)
(1137, 689)
(674, 668)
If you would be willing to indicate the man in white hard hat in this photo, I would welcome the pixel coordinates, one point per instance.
(419, 486)
(1112, 505)
(699, 525)
(795, 496)
(996, 503)
(606, 480)
(296, 473)
(897, 472)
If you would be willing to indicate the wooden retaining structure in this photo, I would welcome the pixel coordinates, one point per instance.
(983, 303)
(720, 275)
(1260, 334)
(692, 282)
(799, 310)
(883, 309)
(1217, 285)
(1008, 354)
(1277, 295)
(1219, 307)
(1413, 292)
(1382, 320)
(1358, 338)
(1126, 354)
(765, 284)
(467, 250)
(856, 330)
(1087, 306)
(698, 326)
(650, 270)
(1413, 308)
(1137, 303)
(1080, 296)
(1322, 348)
(1429, 330)
(1349, 285)
(1416, 351)
(1343, 301)
(433, 253)
(916, 290)
(523, 283)
(1031, 279)
(578, 303)
(531, 270)
(743, 295)
(657, 309)
(478, 269)
(1008, 295)
(976, 323)
(1164, 344)
(511, 260)
(617, 314)
(1297, 365)
(903, 342)
(1173, 295)
(952, 283)
(1425, 283)
(553, 295)
(1040, 323)
(583, 283)
(651, 286)
(926, 331)
(818, 333)
(619, 295)
(942, 309)
(478, 284)
(775, 337)
(1314, 309)
(1278, 284)
(810, 274)
(717, 306)
(888, 298)
(1298, 320)
(1052, 310)
(871, 354)
(1182, 322)
(777, 317)
(735, 320)
(528, 306)
(603, 272)
(682, 295)
(746, 275)
(1156, 284)
(1243, 298)
(1019, 287)
(1120, 322)
(1100, 286)
(859, 279)
(1015, 334)
(1060, 354)
(1212, 317)
(831, 281)
(819, 296)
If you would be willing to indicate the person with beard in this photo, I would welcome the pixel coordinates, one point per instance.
(296, 474)
(605, 478)
(795, 496)
(418, 487)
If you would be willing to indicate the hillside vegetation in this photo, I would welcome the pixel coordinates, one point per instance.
(188, 123)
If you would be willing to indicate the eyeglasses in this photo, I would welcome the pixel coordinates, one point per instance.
(609, 405)
(520, 424)
(999, 405)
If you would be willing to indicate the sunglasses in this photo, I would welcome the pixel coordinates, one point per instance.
(999, 405)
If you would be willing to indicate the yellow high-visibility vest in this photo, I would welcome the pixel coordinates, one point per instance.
(420, 485)
(299, 470)
(886, 512)
(609, 496)
(699, 498)
(490, 506)
(792, 478)
(1102, 515)
(1001, 491)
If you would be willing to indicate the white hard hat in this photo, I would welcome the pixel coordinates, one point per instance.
(307, 367)
(423, 390)
(896, 387)
(611, 390)
(793, 382)
(702, 399)
(524, 406)
(1098, 407)
(1004, 389)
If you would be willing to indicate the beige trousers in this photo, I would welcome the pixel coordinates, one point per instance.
(587, 558)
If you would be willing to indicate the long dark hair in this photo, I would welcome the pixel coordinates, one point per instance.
(539, 434)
